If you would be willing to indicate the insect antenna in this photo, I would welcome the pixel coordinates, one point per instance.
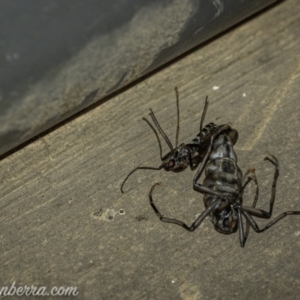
(157, 137)
(204, 113)
(160, 130)
(146, 167)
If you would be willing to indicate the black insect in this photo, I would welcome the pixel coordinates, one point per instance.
(184, 155)
(223, 189)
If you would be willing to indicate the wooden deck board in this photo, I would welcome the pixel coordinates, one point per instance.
(59, 193)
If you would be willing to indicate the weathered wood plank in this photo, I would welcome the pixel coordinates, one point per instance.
(51, 189)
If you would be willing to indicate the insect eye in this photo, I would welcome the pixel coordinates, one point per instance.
(171, 163)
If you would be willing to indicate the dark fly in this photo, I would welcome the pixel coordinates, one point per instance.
(223, 189)
(185, 155)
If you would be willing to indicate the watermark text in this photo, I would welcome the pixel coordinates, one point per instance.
(32, 290)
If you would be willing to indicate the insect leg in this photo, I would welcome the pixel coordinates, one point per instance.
(252, 171)
(178, 120)
(241, 229)
(241, 192)
(195, 224)
(193, 162)
(254, 225)
(242, 235)
(259, 212)
(248, 212)
(140, 168)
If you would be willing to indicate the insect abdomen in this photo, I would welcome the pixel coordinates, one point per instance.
(222, 173)
(196, 142)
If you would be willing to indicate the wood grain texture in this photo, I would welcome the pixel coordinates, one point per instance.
(60, 197)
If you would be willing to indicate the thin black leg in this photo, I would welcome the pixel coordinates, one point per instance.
(241, 192)
(254, 225)
(252, 171)
(195, 224)
(195, 161)
(259, 212)
(178, 117)
(193, 165)
(248, 212)
(241, 229)
(139, 168)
